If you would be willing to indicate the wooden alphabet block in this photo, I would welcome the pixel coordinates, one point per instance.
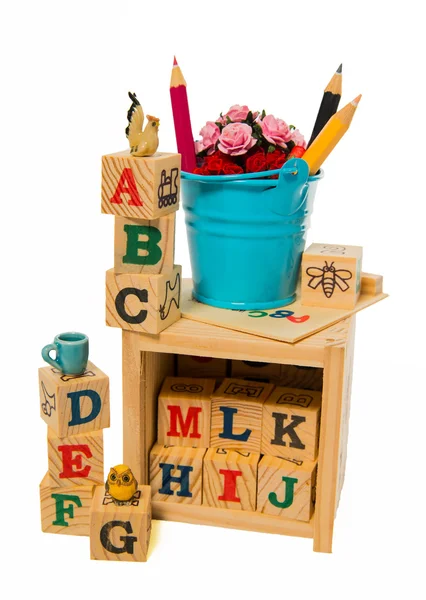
(144, 246)
(176, 474)
(73, 404)
(120, 532)
(76, 459)
(331, 276)
(143, 303)
(286, 488)
(230, 479)
(65, 510)
(304, 378)
(184, 411)
(290, 424)
(236, 421)
(258, 371)
(145, 187)
(201, 366)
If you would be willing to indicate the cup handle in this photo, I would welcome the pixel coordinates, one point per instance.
(46, 355)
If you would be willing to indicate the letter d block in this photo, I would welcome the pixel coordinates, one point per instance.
(286, 488)
(120, 532)
(176, 474)
(184, 410)
(143, 303)
(71, 404)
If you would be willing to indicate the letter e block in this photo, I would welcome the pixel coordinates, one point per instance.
(146, 187)
(143, 303)
(236, 421)
(184, 410)
(286, 488)
(230, 479)
(331, 276)
(73, 404)
(176, 474)
(120, 532)
(291, 423)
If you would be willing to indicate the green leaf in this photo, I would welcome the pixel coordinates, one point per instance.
(290, 145)
(292, 126)
(271, 148)
(228, 120)
(219, 125)
(249, 116)
(263, 115)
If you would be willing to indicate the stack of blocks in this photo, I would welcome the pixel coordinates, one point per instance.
(246, 446)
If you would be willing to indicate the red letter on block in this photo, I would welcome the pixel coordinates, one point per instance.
(69, 462)
(229, 485)
(127, 185)
(191, 418)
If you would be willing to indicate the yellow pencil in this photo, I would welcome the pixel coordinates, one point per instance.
(329, 136)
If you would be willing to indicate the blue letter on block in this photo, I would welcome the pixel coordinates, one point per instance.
(183, 480)
(76, 418)
(228, 422)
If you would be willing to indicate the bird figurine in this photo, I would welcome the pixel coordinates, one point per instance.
(121, 484)
(143, 142)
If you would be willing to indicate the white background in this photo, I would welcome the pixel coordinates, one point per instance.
(66, 68)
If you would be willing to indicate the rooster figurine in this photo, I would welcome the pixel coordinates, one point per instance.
(143, 142)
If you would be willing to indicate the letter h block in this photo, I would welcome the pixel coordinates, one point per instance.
(120, 532)
(184, 410)
(236, 421)
(74, 404)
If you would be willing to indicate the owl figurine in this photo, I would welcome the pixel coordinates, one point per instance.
(121, 484)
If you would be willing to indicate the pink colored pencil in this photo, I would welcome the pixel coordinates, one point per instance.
(182, 119)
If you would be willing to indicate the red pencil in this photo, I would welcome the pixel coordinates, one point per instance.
(182, 119)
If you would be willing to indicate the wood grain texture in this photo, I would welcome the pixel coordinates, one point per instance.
(144, 246)
(305, 378)
(372, 284)
(230, 479)
(191, 459)
(200, 366)
(137, 519)
(146, 175)
(143, 303)
(184, 412)
(65, 510)
(56, 403)
(263, 371)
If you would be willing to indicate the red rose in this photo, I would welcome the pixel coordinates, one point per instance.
(275, 157)
(256, 163)
(201, 171)
(230, 168)
(215, 166)
(278, 162)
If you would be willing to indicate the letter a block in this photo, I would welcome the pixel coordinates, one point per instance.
(230, 479)
(71, 404)
(120, 532)
(184, 410)
(143, 303)
(331, 276)
(76, 459)
(286, 488)
(65, 510)
(146, 187)
(237, 414)
(144, 246)
(291, 423)
(176, 474)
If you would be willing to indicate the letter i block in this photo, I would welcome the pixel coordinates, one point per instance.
(76, 459)
(120, 532)
(260, 371)
(65, 510)
(143, 303)
(184, 410)
(285, 488)
(176, 474)
(331, 276)
(291, 423)
(230, 479)
(144, 246)
(71, 404)
(146, 187)
(236, 421)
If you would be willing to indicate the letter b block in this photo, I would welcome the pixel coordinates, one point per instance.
(71, 404)
(184, 408)
(120, 532)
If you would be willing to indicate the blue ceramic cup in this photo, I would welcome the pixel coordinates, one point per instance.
(72, 353)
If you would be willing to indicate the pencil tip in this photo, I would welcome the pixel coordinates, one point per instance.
(339, 70)
(174, 61)
(357, 99)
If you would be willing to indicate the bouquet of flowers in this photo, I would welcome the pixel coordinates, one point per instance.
(244, 141)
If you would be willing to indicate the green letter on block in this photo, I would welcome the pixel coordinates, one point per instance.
(152, 253)
(289, 494)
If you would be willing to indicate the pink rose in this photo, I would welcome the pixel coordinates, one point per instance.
(210, 135)
(237, 113)
(236, 139)
(276, 131)
(297, 138)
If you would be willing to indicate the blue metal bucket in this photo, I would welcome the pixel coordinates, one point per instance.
(246, 234)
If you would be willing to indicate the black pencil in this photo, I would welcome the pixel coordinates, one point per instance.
(329, 104)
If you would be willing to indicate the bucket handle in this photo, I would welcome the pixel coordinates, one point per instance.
(293, 184)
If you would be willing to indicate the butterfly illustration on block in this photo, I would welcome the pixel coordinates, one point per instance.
(328, 277)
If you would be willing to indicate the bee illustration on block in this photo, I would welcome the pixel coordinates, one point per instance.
(121, 485)
(328, 277)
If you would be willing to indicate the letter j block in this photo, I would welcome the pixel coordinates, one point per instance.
(74, 404)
